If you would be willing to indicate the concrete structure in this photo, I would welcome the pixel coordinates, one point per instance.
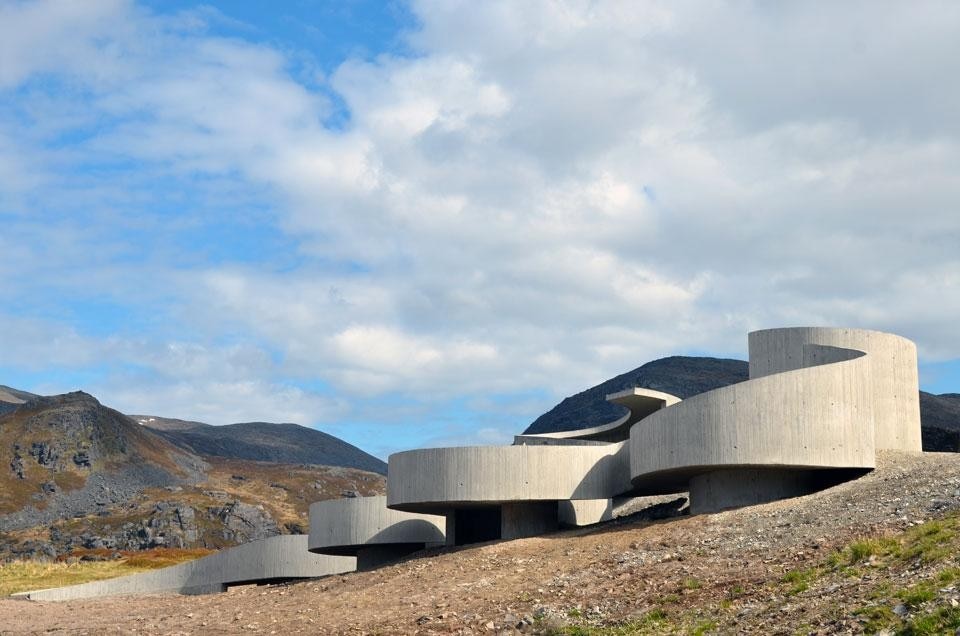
(817, 406)
(365, 528)
(280, 558)
(541, 482)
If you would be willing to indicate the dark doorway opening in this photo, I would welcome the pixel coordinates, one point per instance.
(474, 525)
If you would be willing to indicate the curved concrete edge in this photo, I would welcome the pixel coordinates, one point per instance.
(277, 558)
(818, 401)
(436, 479)
(892, 381)
(364, 527)
(639, 402)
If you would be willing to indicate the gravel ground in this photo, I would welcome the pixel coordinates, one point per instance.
(719, 573)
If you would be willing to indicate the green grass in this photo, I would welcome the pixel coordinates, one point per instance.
(930, 541)
(799, 580)
(914, 597)
(691, 584)
(655, 621)
(945, 620)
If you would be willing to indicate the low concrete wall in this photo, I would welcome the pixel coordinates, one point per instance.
(277, 558)
(366, 528)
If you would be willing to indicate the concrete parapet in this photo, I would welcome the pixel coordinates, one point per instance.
(366, 528)
(437, 479)
(278, 558)
(892, 381)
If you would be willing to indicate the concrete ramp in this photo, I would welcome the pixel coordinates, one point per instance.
(279, 558)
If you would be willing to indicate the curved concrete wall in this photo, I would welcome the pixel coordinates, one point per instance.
(436, 479)
(892, 380)
(344, 526)
(639, 402)
(364, 527)
(277, 558)
(817, 399)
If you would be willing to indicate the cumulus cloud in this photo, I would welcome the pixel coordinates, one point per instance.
(541, 196)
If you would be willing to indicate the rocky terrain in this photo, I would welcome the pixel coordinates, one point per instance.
(685, 376)
(77, 477)
(875, 555)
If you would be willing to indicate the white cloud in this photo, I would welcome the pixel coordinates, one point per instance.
(545, 195)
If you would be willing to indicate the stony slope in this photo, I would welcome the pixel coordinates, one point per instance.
(76, 475)
(686, 376)
(69, 455)
(260, 441)
(878, 553)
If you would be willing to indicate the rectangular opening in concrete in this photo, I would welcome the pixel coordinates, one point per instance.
(474, 525)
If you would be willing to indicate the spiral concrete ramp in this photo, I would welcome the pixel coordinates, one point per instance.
(818, 405)
(280, 558)
(365, 528)
(502, 492)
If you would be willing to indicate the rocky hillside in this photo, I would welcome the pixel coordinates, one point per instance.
(69, 455)
(260, 441)
(685, 376)
(877, 555)
(78, 476)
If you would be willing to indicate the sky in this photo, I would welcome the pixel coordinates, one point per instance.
(425, 223)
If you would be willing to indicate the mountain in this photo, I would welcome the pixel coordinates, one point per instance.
(77, 476)
(685, 376)
(10, 398)
(940, 417)
(260, 441)
(69, 455)
(681, 376)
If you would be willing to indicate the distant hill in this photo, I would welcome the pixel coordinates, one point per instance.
(10, 398)
(681, 376)
(261, 441)
(940, 416)
(76, 475)
(69, 455)
(686, 376)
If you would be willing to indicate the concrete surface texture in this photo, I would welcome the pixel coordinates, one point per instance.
(434, 479)
(364, 527)
(278, 558)
(818, 399)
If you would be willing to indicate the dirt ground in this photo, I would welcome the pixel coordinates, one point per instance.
(786, 567)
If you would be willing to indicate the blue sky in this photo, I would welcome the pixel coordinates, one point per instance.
(425, 223)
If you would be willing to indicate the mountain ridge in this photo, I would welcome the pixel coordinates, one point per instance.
(263, 441)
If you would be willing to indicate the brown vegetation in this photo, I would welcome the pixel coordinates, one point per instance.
(876, 554)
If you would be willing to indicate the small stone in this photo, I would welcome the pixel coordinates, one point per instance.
(900, 610)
